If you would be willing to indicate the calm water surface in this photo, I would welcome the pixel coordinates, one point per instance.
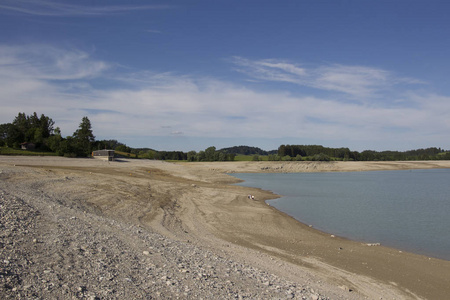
(408, 210)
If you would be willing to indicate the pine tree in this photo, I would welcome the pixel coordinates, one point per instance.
(83, 137)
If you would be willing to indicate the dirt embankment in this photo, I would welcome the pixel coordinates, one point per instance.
(148, 229)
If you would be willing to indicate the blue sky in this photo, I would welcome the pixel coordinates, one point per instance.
(186, 75)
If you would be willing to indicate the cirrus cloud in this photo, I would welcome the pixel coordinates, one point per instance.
(57, 9)
(356, 81)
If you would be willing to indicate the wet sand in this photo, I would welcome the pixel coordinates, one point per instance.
(197, 202)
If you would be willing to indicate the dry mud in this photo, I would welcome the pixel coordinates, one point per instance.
(137, 229)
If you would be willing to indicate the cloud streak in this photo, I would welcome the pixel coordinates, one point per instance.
(269, 70)
(49, 63)
(57, 9)
(355, 81)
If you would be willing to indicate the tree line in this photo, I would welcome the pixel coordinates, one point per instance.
(210, 154)
(321, 153)
(40, 131)
(247, 150)
(299, 153)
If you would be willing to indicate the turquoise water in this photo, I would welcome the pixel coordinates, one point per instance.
(407, 210)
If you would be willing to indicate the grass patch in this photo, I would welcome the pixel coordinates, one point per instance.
(12, 151)
(125, 154)
(241, 157)
(175, 161)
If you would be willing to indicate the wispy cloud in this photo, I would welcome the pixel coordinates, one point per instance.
(55, 8)
(51, 63)
(353, 80)
(61, 83)
(357, 81)
(270, 69)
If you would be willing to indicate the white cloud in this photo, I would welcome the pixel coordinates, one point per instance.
(143, 104)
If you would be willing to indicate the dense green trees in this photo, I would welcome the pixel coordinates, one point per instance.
(246, 150)
(170, 155)
(40, 131)
(312, 150)
(107, 144)
(30, 129)
(191, 156)
(209, 154)
(4, 129)
(54, 141)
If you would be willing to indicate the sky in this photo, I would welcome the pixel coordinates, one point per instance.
(187, 75)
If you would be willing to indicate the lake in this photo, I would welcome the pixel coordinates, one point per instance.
(407, 210)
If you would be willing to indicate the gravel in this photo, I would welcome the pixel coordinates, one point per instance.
(55, 246)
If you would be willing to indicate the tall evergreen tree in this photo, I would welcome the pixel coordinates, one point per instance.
(83, 137)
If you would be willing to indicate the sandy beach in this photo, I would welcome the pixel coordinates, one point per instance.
(171, 222)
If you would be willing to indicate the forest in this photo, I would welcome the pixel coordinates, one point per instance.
(39, 131)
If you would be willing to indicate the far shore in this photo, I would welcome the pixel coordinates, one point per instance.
(317, 166)
(200, 205)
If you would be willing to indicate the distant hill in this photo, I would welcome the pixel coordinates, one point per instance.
(246, 150)
(145, 149)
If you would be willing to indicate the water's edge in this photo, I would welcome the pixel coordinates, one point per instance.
(405, 243)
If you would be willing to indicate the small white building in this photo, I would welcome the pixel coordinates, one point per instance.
(104, 154)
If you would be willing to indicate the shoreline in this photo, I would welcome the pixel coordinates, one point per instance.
(379, 253)
(311, 224)
(195, 204)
